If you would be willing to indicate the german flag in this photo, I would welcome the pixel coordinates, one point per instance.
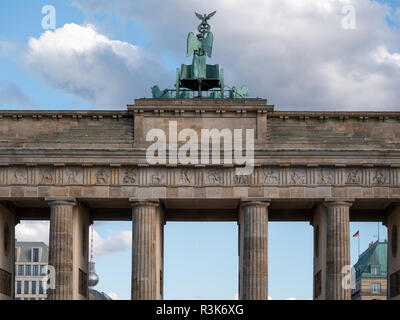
(357, 234)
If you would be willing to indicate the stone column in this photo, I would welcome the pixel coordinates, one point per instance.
(61, 247)
(393, 224)
(253, 250)
(338, 247)
(7, 249)
(146, 250)
(80, 267)
(319, 222)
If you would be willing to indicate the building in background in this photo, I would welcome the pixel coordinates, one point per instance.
(31, 259)
(371, 273)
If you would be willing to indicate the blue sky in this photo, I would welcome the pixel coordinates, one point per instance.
(339, 78)
(19, 21)
(295, 54)
(201, 259)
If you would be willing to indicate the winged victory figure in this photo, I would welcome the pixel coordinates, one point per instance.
(201, 46)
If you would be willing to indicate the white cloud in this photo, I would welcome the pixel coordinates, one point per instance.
(113, 296)
(78, 60)
(291, 298)
(39, 231)
(382, 55)
(295, 53)
(33, 231)
(117, 242)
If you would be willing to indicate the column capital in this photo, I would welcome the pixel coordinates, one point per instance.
(255, 203)
(60, 201)
(338, 202)
(144, 202)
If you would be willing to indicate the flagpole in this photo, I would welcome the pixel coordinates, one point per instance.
(358, 245)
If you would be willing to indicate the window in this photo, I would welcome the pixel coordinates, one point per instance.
(375, 270)
(19, 287)
(41, 287)
(28, 271)
(21, 270)
(35, 254)
(35, 270)
(26, 287)
(376, 288)
(43, 270)
(33, 287)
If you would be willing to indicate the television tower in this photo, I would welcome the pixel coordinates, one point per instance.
(93, 277)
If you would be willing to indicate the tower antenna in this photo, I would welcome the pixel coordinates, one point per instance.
(91, 244)
(93, 277)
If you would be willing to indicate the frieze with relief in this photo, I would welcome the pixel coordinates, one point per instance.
(73, 175)
(215, 176)
(185, 177)
(270, 176)
(130, 176)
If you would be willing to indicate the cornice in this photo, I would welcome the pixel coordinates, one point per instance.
(334, 115)
(60, 114)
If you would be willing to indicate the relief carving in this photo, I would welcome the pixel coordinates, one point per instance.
(20, 176)
(353, 177)
(242, 179)
(46, 176)
(326, 176)
(215, 176)
(297, 177)
(130, 176)
(156, 177)
(379, 178)
(102, 176)
(270, 177)
(185, 177)
(73, 175)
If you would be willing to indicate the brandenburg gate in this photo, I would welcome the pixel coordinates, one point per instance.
(75, 167)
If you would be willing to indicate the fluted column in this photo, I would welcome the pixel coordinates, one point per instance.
(338, 248)
(61, 247)
(253, 252)
(145, 250)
